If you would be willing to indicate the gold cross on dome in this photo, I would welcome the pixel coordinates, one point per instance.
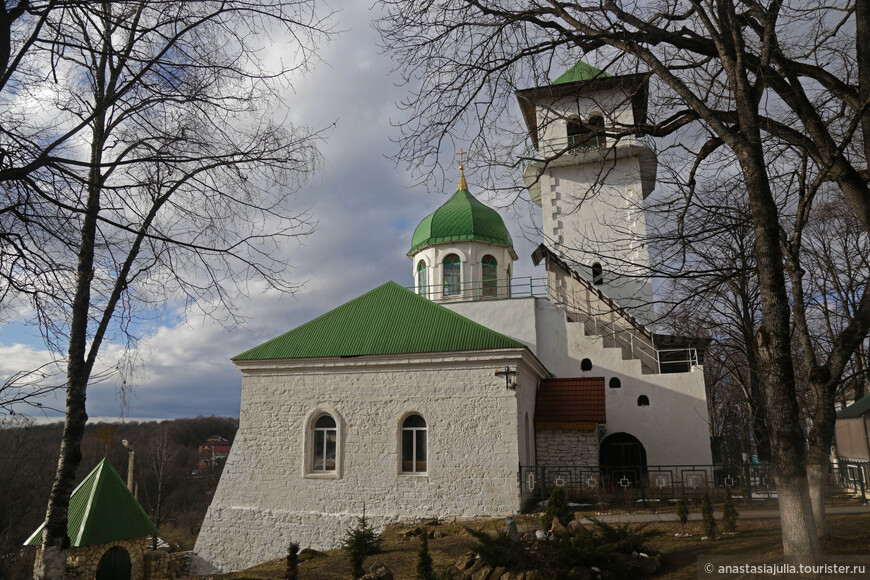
(462, 153)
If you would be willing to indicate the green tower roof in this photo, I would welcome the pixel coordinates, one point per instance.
(580, 72)
(387, 320)
(102, 509)
(461, 219)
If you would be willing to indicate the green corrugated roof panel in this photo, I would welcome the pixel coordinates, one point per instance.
(387, 320)
(580, 72)
(856, 409)
(462, 218)
(102, 509)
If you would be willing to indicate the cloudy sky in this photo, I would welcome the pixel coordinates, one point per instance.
(366, 209)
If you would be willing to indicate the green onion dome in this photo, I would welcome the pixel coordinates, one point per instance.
(461, 219)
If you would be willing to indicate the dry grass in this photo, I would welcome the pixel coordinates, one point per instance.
(850, 534)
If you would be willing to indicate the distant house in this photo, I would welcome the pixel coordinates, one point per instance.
(215, 449)
(108, 530)
(853, 427)
(852, 433)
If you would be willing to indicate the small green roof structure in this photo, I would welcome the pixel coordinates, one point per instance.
(102, 509)
(580, 72)
(462, 218)
(387, 320)
(856, 409)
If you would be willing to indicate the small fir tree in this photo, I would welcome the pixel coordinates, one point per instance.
(707, 520)
(682, 514)
(292, 572)
(425, 571)
(729, 512)
(557, 507)
(361, 541)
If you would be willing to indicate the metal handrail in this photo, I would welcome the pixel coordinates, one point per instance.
(604, 322)
(549, 149)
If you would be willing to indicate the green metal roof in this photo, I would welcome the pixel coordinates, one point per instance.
(102, 509)
(856, 409)
(462, 218)
(387, 320)
(580, 72)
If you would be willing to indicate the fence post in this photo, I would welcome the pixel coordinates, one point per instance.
(861, 482)
(747, 484)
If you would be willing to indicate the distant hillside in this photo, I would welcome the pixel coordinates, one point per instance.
(173, 488)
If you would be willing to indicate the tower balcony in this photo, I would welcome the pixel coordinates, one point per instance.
(585, 149)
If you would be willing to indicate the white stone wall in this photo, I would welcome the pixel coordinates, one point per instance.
(674, 428)
(266, 499)
(593, 212)
(567, 447)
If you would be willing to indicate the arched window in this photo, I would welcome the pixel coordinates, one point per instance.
(507, 286)
(615, 383)
(422, 279)
(596, 127)
(597, 274)
(489, 267)
(643, 401)
(586, 364)
(452, 280)
(323, 456)
(577, 133)
(414, 444)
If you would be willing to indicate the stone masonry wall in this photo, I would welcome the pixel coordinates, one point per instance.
(82, 562)
(566, 447)
(163, 565)
(266, 498)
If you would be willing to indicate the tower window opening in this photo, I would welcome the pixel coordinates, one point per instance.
(597, 274)
(587, 135)
(615, 383)
(577, 133)
(596, 128)
(585, 365)
(643, 401)
(489, 272)
(452, 285)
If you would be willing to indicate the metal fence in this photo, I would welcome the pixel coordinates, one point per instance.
(661, 483)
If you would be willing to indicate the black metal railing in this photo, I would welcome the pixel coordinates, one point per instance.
(655, 483)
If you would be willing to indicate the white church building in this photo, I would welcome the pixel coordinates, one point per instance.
(434, 402)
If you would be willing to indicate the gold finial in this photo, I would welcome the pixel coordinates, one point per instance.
(462, 184)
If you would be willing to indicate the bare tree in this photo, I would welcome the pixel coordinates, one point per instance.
(726, 80)
(163, 176)
(161, 456)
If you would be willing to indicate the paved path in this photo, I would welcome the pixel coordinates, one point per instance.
(745, 514)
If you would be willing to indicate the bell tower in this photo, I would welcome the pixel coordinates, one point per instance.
(590, 173)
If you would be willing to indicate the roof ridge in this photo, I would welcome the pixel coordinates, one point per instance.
(97, 473)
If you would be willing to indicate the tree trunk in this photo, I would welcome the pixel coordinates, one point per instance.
(821, 438)
(817, 477)
(55, 540)
(773, 342)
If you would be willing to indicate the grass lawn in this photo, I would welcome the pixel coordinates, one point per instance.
(850, 534)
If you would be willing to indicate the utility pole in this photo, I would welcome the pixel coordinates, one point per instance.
(130, 455)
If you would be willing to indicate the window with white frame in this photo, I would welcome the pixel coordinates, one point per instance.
(414, 451)
(422, 279)
(489, 276)
(325, 448)
(452, 281)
